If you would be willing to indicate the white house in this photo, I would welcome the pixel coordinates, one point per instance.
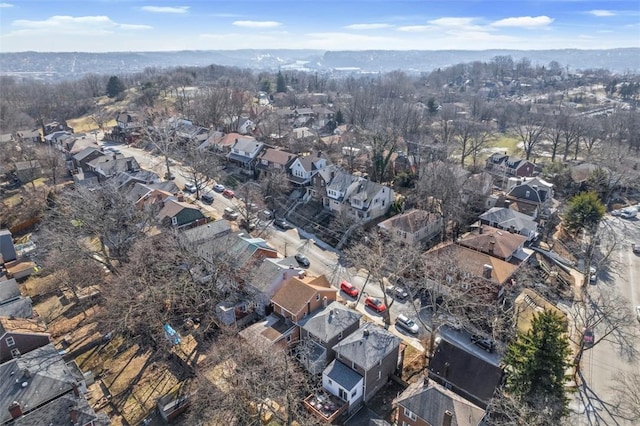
(304, 167)
(244, 152)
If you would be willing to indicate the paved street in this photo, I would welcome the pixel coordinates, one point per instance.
(601, 364)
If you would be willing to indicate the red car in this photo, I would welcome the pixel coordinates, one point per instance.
(375, 304)
(228, 193)
(349, 288)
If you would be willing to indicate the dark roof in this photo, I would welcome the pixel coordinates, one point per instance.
(207, 232)
(341, 374)
(7, 249)
(86, 152)
(19, 308)
(9, 291)
(34, 379)
(58, 413)
(505, 218)
(430, 401)
(367, 346)
(330, 321)
(472, 377)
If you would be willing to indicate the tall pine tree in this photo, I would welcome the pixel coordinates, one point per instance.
(114, 87)
(281, 86)
(536, 365)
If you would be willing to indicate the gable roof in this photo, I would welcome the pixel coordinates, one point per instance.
(268, 270)
(410, 221)
(210, 231)
(295, 293)
(430, 401)
(341, 374)
(493, 241)
(330, 321)
(367, 346)
(172, 208)
(277, 156)
(81, 155)
(245, 144)
(534, 190)
(19, 308)
(58, 413)
(43, 376)
(312, 161)
(21, 325)
(474, 378)
(506, 218)
(341, 181)
(9, 291)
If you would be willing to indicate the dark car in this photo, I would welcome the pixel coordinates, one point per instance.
(281, 223)
(302, 259)
(397, 292)
(588, 337)
(349, 288)
(375, 304)
(484, 343)
(207, 198)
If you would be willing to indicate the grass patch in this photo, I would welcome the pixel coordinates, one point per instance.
(506, 142)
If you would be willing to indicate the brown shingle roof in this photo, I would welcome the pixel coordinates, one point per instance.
(277, 156)
(294, 295)
(493, 241)
(21, 325)
(411, 221)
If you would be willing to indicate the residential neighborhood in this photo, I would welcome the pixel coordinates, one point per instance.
(300, 255)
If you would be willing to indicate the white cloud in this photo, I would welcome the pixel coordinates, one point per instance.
(257, 24)
(452, 22)
(166, 9)
(367, 26)
(416, 28)
(78, 25)
(524, 22)
(601, 13)
(5, 5)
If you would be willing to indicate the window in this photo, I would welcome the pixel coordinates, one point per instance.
(340, 336)
(10, 342)
(410, 414)
(405, 424)
(288, 338)
(15, 353)
(379, 375)
(317, 296)
(330, 381)
(353, 394)
(354, 365)
(174, 220)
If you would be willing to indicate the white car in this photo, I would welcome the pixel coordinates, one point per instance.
(628, 213)
(190, 187)
(638, 312)
(406, 323)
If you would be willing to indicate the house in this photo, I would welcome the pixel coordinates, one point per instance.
(179, 214)
(209, 232)
(61, 139)
(304, 167)
(246, 126)
(186, 133)
(56, 126)
(413, 226)
(358, 197)
(107, 166)
(124, 180)
(302, 132)
(9, 290)
(464, 373)
(19, 336)
(317, 189)
(69, 409)
(221, 143)
(32, 136)
(321, 330)
(530, 303)
(244, 153)
(504, 245)
(127, 122)
(274, 330)
(426, 403)
(505, 166)
(511, 221)
(6, 138)
(300, 296)
(27, 171)
(364, 362)
(338, 189)
(533, 191)
(82, 159)
(274, 161)
(7, 249)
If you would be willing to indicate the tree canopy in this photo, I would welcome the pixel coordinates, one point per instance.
(584, 211)
(114, 86)
(537, 362)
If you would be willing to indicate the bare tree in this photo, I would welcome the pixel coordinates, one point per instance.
(627, 396)
(529, 128)
(51, 160)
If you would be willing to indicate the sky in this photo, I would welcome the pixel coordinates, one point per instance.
(165, 25)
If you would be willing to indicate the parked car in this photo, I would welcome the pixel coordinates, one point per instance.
(407, 324)
(349, 288)
(169, 176)
(250, 225)
(484, 343)
(302, 260)
(230, 213)
(593, 274)
(638, 312)
(397, 292)
(588, 337)
(616, 212)
(281, 223)
(218, 187)
(628, 213)
(190, 187)
(207, 198)
(375, 304)
(636, 248)
(267, 214)
(228, 193)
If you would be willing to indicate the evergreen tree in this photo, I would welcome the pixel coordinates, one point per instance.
(266, 86)
(114, 87)
(339, 117)
(584, 211)
(281, 86)
(432, 106)
(536, 364)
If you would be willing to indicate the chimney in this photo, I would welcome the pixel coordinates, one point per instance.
(480, 230)
(324, 302)
(130, 165)
(15, 410)
(115, 156)
(486, 271)
(492, 244)
(319, 154)
(365, 332)
(76, 389)
(73, 413)
(535, 187)
(447, 419)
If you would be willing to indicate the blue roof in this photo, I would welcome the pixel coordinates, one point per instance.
(342, 375)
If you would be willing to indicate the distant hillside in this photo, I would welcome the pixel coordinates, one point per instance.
(52, 66)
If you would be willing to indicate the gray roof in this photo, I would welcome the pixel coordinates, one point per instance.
(57, 413)
(341, 181)
(505, 218)
(9, 291)
(367, 346)
(534, 190)
(34, 379)
(7, 249)
(246, 144)
(430, 401)
(330, 321)
(343, 375)
(86, 152)
(207, 232)
(124, 178)
(19, 308)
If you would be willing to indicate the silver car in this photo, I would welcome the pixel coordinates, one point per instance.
(407, 324)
